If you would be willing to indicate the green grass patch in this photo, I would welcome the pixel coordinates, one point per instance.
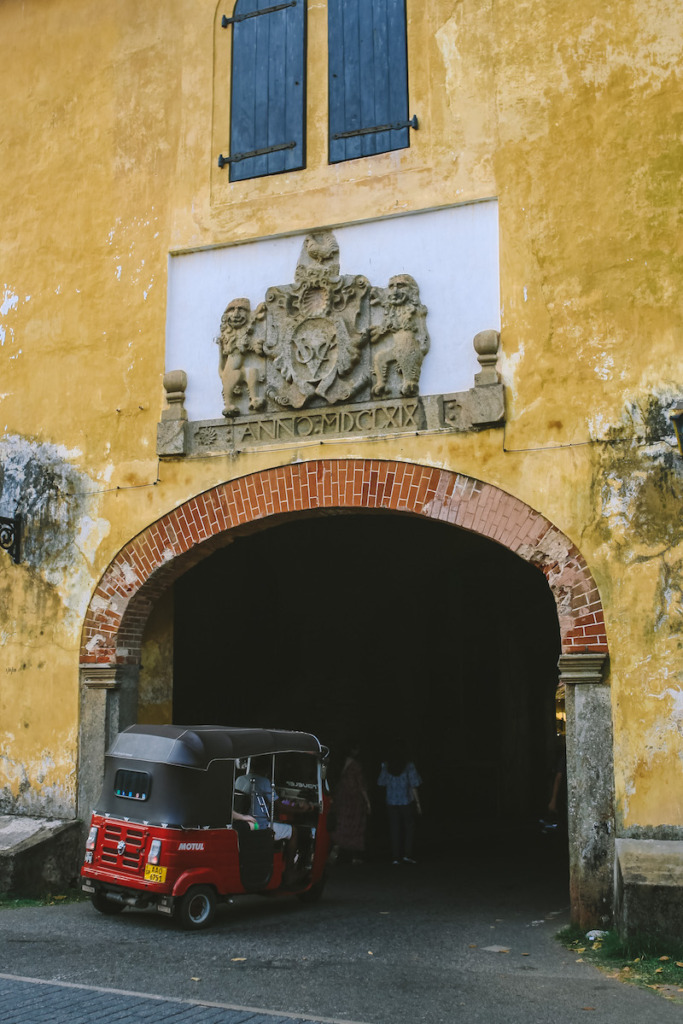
(647, 960)
(8, 901)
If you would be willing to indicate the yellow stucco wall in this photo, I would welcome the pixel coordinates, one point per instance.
(570, 114)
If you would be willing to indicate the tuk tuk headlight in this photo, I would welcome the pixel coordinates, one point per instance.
(91, 841)
(154, 852)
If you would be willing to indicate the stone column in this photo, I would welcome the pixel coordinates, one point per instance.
(108, 704)
(590, 789)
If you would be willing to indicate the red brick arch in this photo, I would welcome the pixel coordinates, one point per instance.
(148, 564)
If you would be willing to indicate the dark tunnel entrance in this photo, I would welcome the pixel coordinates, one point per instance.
(373, 626)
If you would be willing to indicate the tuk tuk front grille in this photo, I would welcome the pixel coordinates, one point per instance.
(122, 846)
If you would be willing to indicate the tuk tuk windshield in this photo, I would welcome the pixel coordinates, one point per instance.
(290, 782)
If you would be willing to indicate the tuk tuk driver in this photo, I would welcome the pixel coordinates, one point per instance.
(262, 793)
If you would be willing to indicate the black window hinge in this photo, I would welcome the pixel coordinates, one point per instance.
(10, 536)
(394, 127)
(223, 160)
(225, 21)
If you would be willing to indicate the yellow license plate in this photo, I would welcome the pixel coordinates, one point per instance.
(155, 873)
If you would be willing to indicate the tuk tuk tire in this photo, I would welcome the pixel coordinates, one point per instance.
(197, 907)
(105, 906)
(313, 894)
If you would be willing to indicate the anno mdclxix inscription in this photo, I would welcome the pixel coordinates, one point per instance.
(325, 340)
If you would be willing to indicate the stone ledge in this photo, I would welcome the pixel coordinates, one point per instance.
(665, 833)
(38, 855)
(649, 887)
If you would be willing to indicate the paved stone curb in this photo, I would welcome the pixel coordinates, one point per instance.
(34, 1001)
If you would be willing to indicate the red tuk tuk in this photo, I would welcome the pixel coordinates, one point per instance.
(192, 815)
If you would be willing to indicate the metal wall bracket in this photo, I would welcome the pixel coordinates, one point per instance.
(10, 536)
(393, 127)
(223, 161)
(225, 21)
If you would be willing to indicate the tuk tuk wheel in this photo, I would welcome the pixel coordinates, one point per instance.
(197, 907)
(105, 906)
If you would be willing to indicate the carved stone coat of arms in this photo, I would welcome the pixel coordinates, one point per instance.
(324, 340)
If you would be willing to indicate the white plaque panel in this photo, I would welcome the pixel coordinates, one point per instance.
(452, 253)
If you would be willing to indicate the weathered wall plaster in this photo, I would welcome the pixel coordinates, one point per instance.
(572, 127)
(49, 590)
(640, 490)
(59, 506)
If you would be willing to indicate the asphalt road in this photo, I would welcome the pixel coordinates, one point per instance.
(467, 938)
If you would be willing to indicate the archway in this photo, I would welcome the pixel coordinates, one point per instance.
(367, 628)
(182, 538)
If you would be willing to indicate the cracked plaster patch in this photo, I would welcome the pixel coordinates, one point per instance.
(96, 643)
(509, 364)
(604, 366)
(675, 694)
(554, 546)
(58, 504)
(118, 604)
(129, 574)
(599, 50)
(9, 301)
(90, 535)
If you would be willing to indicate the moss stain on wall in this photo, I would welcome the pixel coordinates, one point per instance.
(49, 590)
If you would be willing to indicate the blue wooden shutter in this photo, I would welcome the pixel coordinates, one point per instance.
(368, 71)
(268, 93)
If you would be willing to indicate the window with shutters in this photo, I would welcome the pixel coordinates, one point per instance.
(368, 78)
(268, 88)
(368, 82)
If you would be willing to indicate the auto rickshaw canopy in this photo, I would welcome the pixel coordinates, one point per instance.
(183, 776)
(196, 746)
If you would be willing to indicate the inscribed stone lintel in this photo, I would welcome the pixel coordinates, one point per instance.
(465, 411)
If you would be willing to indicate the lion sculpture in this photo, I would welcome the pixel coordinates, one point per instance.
(401, 339)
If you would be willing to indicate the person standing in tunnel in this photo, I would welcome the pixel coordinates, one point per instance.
(555, 816)
(401, 779)
(352, 807)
